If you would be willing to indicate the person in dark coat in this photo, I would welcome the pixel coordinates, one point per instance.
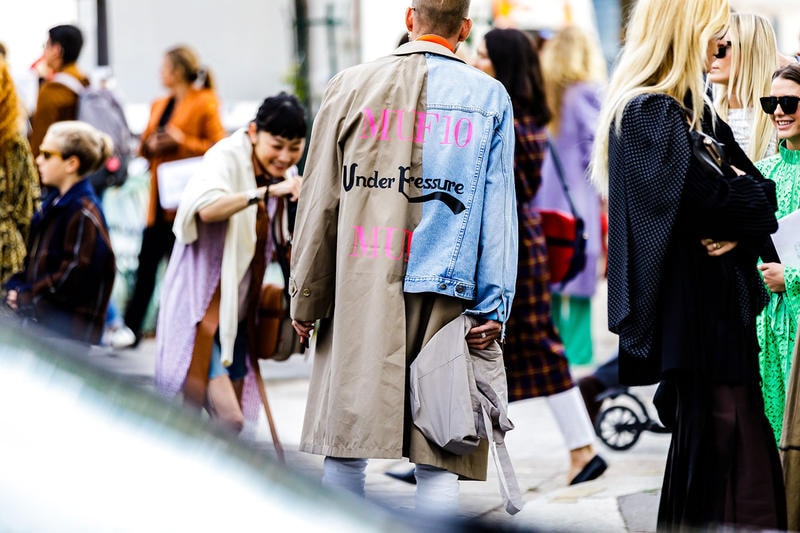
(69, 271)
(685, 233)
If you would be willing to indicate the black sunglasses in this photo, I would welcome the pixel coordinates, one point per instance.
(788, 104)
(47, 154)
(722, 50)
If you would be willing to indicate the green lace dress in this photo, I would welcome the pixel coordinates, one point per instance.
(777, 323)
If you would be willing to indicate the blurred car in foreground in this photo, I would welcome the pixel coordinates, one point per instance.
(86, 450)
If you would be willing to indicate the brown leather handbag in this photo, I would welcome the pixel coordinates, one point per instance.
(276, 338)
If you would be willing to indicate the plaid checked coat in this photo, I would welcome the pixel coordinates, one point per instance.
(70, 267)
(534, 354)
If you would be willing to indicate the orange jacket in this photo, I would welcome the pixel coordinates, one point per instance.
(197, 116)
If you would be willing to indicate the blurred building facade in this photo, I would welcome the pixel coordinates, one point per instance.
(258, 47)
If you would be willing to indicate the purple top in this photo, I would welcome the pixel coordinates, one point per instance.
(579, 112)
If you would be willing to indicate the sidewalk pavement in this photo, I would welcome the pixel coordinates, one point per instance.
(623, 499)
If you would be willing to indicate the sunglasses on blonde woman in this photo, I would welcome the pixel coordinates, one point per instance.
(788, 104)
(722, 50)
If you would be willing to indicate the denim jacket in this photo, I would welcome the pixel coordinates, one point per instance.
(468, 249)
(414, 147)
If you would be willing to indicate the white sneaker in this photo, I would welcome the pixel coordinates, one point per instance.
(121, 337)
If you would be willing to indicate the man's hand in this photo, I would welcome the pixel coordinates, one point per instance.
(304, 329)
(480, 337)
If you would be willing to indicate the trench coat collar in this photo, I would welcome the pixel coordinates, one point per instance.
(417, 47)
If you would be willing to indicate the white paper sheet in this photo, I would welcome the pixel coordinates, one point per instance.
(787, 239)
(172, 179)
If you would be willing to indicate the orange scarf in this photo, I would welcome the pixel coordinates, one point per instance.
(436, 39)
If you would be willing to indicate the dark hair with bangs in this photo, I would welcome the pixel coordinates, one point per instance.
(282, 115)
(516, 66)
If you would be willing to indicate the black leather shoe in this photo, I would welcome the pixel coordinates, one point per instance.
(592, 470)
(403, 475)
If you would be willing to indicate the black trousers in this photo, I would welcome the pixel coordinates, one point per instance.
(157, 243)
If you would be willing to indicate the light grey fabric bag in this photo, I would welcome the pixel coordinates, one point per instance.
(443, 405)
(457, 394)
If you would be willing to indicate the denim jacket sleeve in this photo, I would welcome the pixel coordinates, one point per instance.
(497, 259)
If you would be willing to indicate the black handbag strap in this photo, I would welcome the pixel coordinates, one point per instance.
(560, 174)
(167, 114)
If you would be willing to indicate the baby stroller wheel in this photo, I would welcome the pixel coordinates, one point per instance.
(619, 427)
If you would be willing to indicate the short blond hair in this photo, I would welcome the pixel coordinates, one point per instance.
(91, 146)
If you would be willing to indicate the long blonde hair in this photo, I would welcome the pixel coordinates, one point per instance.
(665, 52)
(9, 105)
(570, 56)
(754, 57)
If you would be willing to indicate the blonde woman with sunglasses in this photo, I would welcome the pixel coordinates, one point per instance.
(685, 233)
(741, 72)
(777, 324)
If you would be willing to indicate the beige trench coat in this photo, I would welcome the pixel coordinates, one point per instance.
(790, 443)
(357, 403)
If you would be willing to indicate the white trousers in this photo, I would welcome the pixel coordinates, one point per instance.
(348, 474)
(570, 413)
(437, 489)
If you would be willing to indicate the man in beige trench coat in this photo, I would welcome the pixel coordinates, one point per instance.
(406, 220)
